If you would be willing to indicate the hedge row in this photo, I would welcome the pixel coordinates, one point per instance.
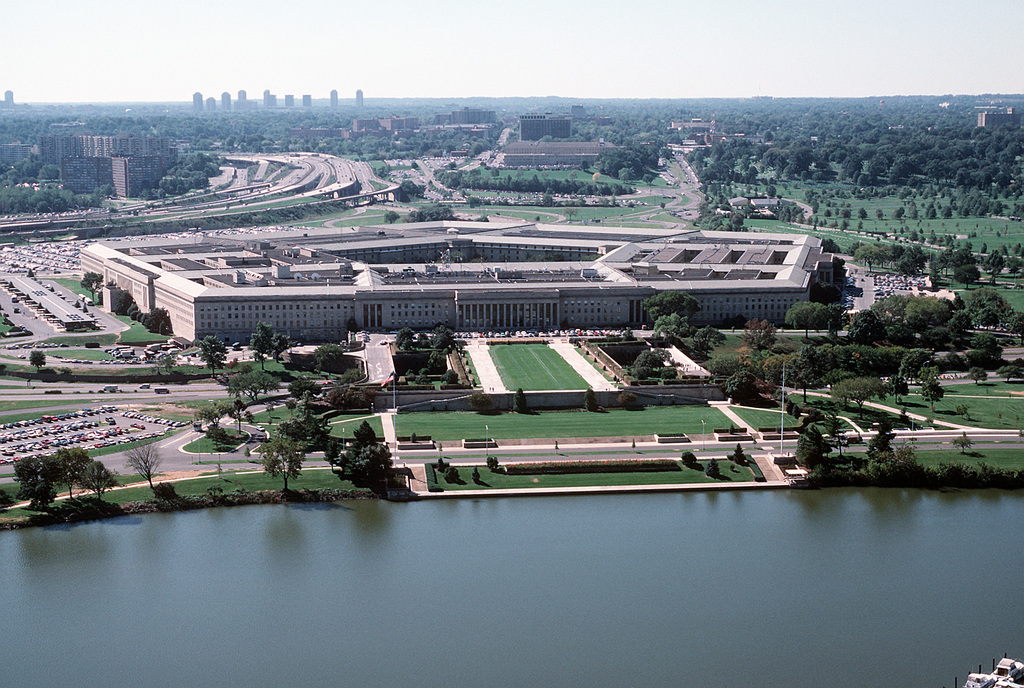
(432, 485)
(562, 467)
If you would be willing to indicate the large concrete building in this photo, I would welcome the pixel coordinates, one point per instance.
(552, 153)
(536, 127)
(127, 162)
(471, 276)
(1010, 118)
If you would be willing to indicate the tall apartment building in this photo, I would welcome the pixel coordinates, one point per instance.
(289, 101)
(85, 174)
(269, 99)
(197, 101)
(1000, 119)
(536, 127)
(225, 101)
(472, 116)
(8, 98)
(307, 101)
(13, 152)
(359, 98)
(334, 98)
(243, 101)
(134, 173)
(211, 104)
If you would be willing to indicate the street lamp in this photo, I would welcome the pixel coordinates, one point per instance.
(703, 434)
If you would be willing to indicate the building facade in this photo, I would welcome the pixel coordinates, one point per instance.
(497, 277)
(536, 127)
(553, 153)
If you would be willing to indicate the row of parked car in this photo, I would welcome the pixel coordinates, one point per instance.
(153, 419)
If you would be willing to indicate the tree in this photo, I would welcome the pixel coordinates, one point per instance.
(37, 478)
(963, 442)
(897, 386)
(365, 462)
(711, 468)
(835, 318)
(978, 374)
(1011, 371)
(211, 412)
(282, 457)
(37, 359)
(404, 339)
(627, 400)
(253, 383)
(212, 352)
(92, 281)
(807, 316)
(279, 343)
(519, 404)
(931, 389)
(811, 447)
(707, 338)
(330, 358)
(262, 342)
(167, 362)
(759, 335)
(741, 385)
(301, 386)
(668, 302)
(481, 402)
(239, 411)
(97, 478)
(158, 321)
(145, 460)
(866, 328)
(673, 325)
(590, 400)
(442, 338)
(859, 390)
(966, 274)
(72, 463)
(881, 443)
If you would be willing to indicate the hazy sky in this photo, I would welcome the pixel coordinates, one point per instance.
(164, 50)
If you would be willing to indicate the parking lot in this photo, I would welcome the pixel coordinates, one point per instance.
(89, 428)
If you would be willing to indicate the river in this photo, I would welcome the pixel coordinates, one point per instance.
(834, 587)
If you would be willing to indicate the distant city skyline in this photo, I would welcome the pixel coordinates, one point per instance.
(575, 49)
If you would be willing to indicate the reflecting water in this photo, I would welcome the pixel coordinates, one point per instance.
(842, 588)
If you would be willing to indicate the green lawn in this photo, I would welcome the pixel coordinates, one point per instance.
(204, 445)
(79, 340)
(459, 425)
(1012, 459)
(83, 354)
(985, 412)
(344, 426)
(137, 334)
(730, 472)
(764, 418)
(534, 367)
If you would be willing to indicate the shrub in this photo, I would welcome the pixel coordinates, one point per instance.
(688, 458)
(566, 467)
(711, 468)
(451, 474)
(492, 463)
(164, 492)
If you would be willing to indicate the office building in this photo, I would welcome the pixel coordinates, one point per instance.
(472, 116)
(359, 99)
(197, 101)
(307, 101)
(553, 153)
(8, 98)
(53, 148)
(536, 127)
(470, 277)
(211, 104)
(269, 99)
(334, 98)
(225, 101)
(242, 102)
(577, 111)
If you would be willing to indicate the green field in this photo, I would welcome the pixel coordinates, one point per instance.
(204, 445)
(1006, 459)
(534, 367)
(764, 418)
(730, 472)
(459, 425)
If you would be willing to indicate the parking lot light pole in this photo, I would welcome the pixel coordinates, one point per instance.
(703, 434)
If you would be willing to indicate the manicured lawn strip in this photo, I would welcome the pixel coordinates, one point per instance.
(764, 418)
(344, 426)
(115, 448)
(205, 445)
(458, 425)
(137, 334)
(534, 367)
(993, 412)
(1003, 458)
(83, 354)
(101, 339)
(990, 388)
(865, 419)
(499, 481)
(72, 285)
(14, 404)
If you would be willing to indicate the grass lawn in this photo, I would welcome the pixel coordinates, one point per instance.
(83, 354)
(534, 367)
(310, 479)
(730, 472)
(344, 426)
(980, 453)
(137, 334)
(991, 412)
(764, 418)
(205, 445)
(459, 425)
(865, 419)
(72, 340)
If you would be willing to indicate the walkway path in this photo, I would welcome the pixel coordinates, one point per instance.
(490, 380)
(734, 417)
(594, 379)
(686, 364)
(387, 419)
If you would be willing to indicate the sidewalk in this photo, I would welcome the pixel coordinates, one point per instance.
(589, 373)
(490, 380)
(605, 489)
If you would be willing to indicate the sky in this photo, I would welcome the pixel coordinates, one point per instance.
(163, 51)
